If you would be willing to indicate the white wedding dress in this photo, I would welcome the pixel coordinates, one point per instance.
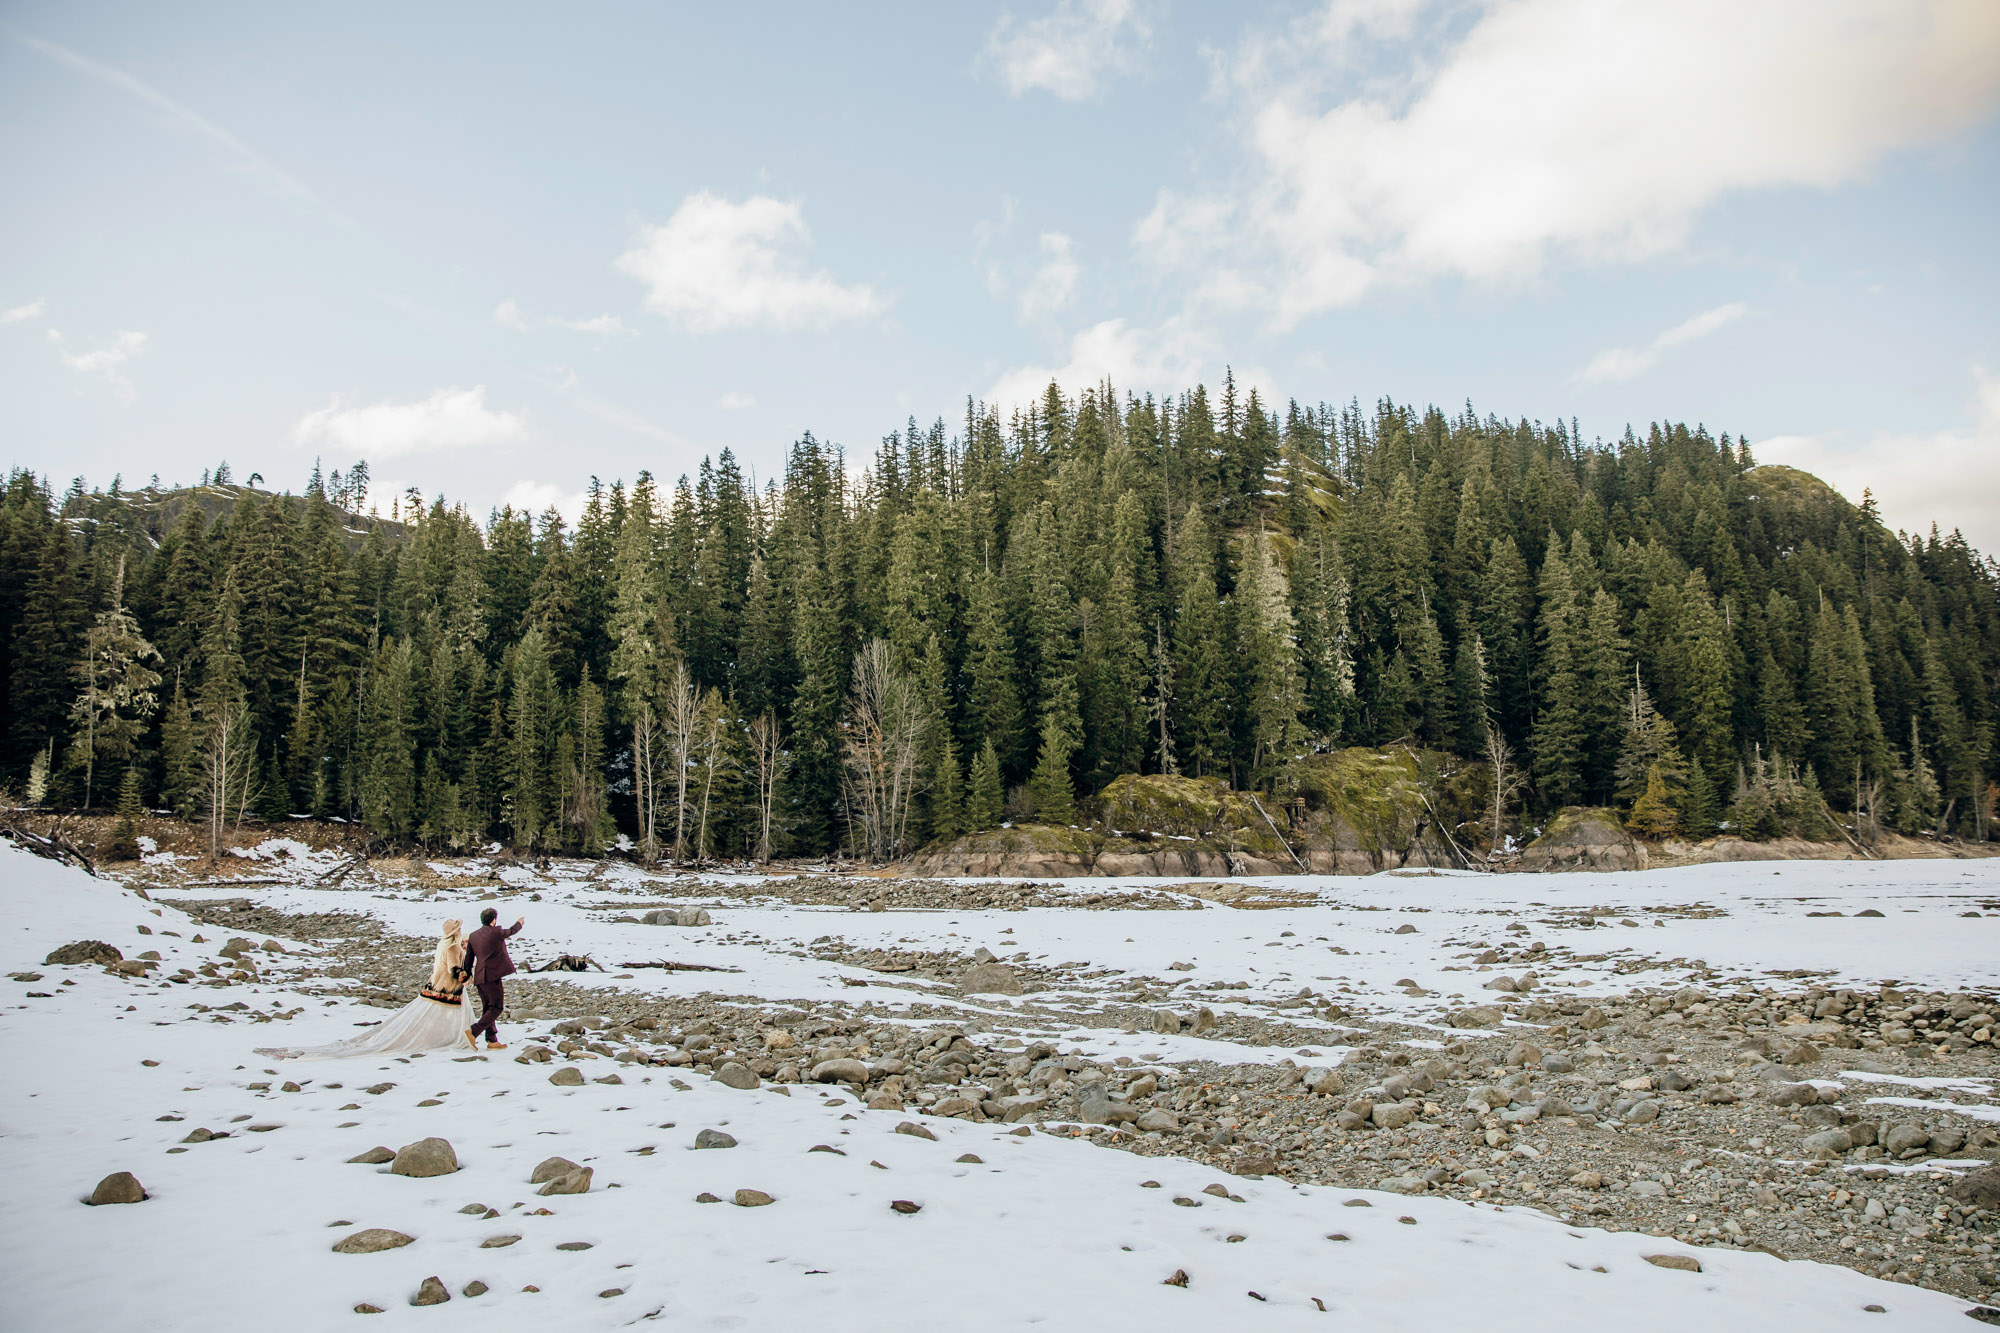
(437, 1020)
(423, 1024)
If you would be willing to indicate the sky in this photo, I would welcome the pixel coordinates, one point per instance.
(498, 249)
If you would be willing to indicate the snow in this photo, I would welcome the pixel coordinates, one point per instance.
(1047, 1230)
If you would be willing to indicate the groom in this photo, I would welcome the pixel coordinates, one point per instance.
(487, 963)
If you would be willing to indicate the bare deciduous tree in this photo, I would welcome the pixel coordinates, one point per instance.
(647, 748)
(884, 748)
(228, 763)
(1506, 782)
(767, 765)
(681, 720)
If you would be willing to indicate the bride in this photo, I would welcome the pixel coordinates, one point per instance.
(436, 1020)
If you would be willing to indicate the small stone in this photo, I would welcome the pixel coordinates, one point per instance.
(574, 1246)
(972, 1157)
(118, 1187)
(990, 979)
(549, 1168)
(1904, 1138)
(734, 1075)
(752, 1199)
(475, 1288)
(570, 1182)
(424, 1158)
(839, 1071)
(373, 1157)
(905, 1206)
(199, 1136)
(706, 1197)
(609, 1292)
(714, 1138)
(1686, 1263)
(1183, 1201)
(378, 1089)
(1393, 1115)
(430, 1292)
(371, 1240)
(1406, 929)
(366, 1308)
(498, 1242)
(915, 1131)
(1179, 1279)
(1834, 1141)
(569, 1076)
(1587, 1180)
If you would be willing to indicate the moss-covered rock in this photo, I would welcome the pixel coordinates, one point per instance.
(1352, 812)
(1582, 837)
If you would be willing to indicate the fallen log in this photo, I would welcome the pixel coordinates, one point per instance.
(685, 967)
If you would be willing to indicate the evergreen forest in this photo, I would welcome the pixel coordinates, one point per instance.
(993, 619)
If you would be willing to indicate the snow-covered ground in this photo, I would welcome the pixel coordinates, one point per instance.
(110, 1073)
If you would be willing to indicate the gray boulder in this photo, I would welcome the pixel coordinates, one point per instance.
(425, 1157)
(990, 979)
(118, 1187)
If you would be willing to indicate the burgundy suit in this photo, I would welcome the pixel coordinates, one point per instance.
(487, 963)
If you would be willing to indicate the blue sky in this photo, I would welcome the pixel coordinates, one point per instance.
(497, 249)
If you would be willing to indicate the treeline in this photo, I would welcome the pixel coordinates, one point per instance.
(993, 621)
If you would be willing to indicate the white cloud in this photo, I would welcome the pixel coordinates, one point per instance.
(1624, 363)
(508, 315)
(104, 362)
(1950, 477)
(32, 310)
(1070, 51)
(1592, 129)
(735, 402)
(1164, 359)
(1054, 281)
(533, 497)
(451, 418)
(717, 265)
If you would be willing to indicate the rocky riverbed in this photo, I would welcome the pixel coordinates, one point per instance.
(1705, 1061)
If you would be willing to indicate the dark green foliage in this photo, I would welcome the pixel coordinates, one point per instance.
(1095, 586)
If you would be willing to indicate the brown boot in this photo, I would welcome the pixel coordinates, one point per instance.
(496, 1045)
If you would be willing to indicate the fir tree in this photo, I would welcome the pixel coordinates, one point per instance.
(986, 797)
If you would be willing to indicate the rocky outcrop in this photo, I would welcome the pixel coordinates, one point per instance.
(1351, 812)
(1583, 837)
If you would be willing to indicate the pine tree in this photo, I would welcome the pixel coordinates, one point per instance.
(118, 683)
(1648, 758)
(947, 820)
(1559, 729)
(1201, 721)
(986, 799)
(531, 734)
(1049, 787)
(1653, 814)
(587, 810)
(1269, 661)
(124, 842)
(992, 708)
(389, 762)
